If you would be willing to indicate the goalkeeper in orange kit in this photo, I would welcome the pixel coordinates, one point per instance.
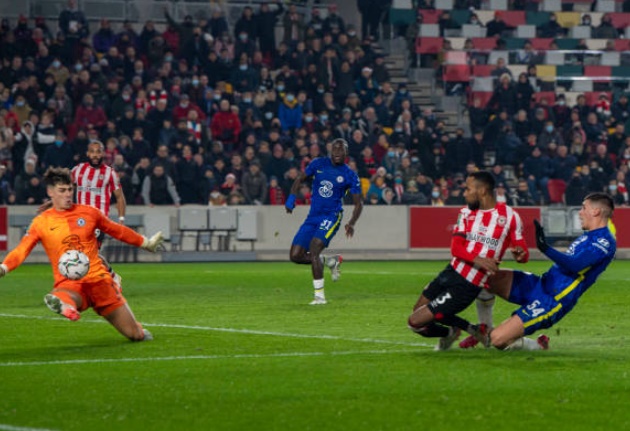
(68, 226)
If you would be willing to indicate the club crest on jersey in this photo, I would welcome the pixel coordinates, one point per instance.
(101, 177)
(325, 189)
(340, 179)
(502, 220)
(81, 222)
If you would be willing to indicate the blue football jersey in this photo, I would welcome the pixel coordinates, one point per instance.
(330, 183)
(576, 270)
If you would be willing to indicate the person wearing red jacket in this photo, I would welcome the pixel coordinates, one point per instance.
(89, 116)
(185, 106)
(226, 126)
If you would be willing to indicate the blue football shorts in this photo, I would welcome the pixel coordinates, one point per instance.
(323, 226)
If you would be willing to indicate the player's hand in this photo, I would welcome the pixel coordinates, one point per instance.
(43, 207)
(152, 244)
(518, 253)
(488, 264)
(541, 241)
(290, 203)
(349, 230)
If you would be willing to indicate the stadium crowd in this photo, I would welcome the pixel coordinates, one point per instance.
(204, 113)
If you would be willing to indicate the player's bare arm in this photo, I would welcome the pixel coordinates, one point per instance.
(295, 187)
(121, 205)
(356, 212)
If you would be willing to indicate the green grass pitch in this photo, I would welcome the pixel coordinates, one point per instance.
(237, 348)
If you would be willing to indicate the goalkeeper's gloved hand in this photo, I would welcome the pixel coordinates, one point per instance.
(151, 244)
(290, 203)
(3, 271)
(541, 241)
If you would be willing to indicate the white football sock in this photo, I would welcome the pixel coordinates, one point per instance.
(524, 343)
(485, 304)
(318, 285)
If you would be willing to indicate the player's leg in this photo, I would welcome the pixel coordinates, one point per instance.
(300, 246)
(327, 230)
(124, 321)
(315, 250)
(100, 238)
(485, 304)
(65, 302)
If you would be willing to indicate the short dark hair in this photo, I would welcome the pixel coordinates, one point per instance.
(604, 200)
(55, 176)
(485, 178)
(342, 142)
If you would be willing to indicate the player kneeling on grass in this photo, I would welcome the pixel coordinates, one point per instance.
(68, 226)
(546, 299)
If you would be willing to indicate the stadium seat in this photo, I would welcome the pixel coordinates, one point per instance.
(537, 18)
(429, 45)
(484, 97)
(567, 44)
(487, 43)
(580, 32)
(556, 188)
(498, 5)
(444, 4)
(554, 57)
(568, 19)
(550, 5)
(401, 17)
(483, 83)
(429, 30)
(482, 70)
(582, 86)
(456, 57)
(565, 71)
(610, 59)
(496, 55)
(526, 31)
(595, 72)
(605, 6)
(473, 30)
(622, 44)
(512, 43)
(513, 18)
(541, 44)
(517, 69)
(430, 16)
(593, 96)
(596, 44)
(485, 16)
(460, 16)
(549, 96)
(456, 73)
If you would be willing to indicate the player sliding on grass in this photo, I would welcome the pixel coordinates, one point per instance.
(548, 298)
(483, 232)
(332, 178)
(67, 226)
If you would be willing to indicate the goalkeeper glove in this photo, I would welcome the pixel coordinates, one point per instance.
(541, 241)
(151, 244)
(3, 270)
(290, 203)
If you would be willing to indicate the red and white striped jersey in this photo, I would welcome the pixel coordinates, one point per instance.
(95, 185)
(484, 233)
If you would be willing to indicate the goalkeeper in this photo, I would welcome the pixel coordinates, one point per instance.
(68, 226)
(548, 298)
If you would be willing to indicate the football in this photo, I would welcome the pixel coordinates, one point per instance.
(73, 264)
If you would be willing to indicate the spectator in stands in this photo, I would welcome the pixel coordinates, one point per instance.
(290, 113)
(527, 55)
(254, 185)
(522, 197)
(412, 196)
(576, 189)
(551, 29)
(604, 160)
(594, 129)
(620, 110)
(550, 134)
(184, 30)
(334, 23)
(504, 96)
(104, 38)
(189, 178)
(537, 170)
(496, 26)
(29, 189)
(88, 115)
(605, 30)
(72, 21)
(563, 164)
(524, 93)
(616, 139)
(445, 22)
(266, 27)
(59, 155)
(159, 188)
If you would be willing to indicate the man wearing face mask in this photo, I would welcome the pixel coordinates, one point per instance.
(483, 232)
(244, 77)
(290, 113)
(184, 107)
(59, 155)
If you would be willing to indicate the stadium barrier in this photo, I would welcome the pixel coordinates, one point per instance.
(383, 232)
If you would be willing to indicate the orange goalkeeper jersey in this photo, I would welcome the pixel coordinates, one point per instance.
(73, 229)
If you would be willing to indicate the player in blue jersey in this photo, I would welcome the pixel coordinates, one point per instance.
(331, 179)
(546, 299)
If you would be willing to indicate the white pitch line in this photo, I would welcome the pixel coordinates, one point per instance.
(240, 331)
(5, 427)
(204, 357)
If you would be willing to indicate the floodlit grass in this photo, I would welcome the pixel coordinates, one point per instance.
(237, 348)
